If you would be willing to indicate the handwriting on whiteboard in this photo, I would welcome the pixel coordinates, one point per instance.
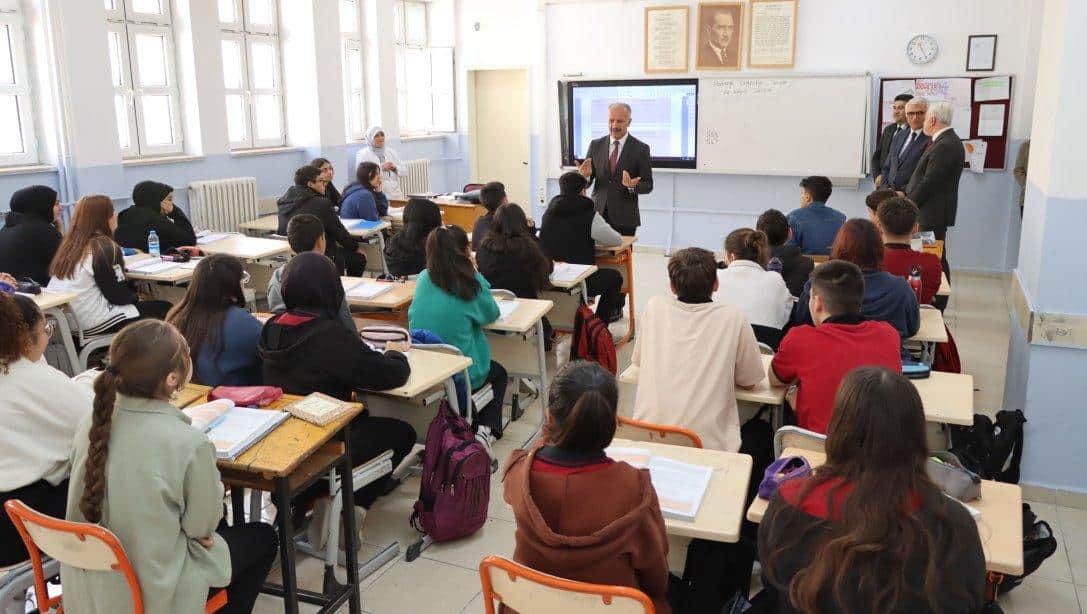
(748, 87)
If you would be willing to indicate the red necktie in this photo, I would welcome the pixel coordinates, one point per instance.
(614, 157)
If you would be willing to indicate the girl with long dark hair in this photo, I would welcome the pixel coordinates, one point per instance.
(364, 198)
(405, 251)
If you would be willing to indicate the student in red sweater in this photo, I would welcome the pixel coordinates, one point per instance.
(897, 223)
(816, 358)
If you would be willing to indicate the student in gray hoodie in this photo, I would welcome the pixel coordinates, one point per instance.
(305, 233)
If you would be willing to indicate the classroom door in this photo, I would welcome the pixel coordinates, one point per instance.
(500, 131)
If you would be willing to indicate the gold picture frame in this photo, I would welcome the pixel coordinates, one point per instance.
(720, 41)
(772, 53)
(665, 49)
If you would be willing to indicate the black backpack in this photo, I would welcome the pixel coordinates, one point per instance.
(1038, 545)
(992, 449)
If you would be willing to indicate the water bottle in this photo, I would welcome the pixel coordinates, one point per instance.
(915, 280)
(153, 244)
(775, 265)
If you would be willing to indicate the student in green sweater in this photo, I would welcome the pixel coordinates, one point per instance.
(454, 301)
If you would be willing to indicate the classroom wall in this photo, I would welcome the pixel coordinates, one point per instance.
(604, 39)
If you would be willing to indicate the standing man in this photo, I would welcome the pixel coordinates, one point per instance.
(619, 164)
(717, 49)
(880, 155)
(934, 186)
(907, 147)
(1021, 161)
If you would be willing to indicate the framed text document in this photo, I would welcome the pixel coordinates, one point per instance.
(772, 34)
(666, 31)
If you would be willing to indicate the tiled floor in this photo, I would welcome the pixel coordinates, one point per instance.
(445, 580)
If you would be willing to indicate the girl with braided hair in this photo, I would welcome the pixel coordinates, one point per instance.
(140, 470)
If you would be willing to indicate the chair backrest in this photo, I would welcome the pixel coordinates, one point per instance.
(472, 187)
(765, 349)
(657, 433)
(503, 294)
(528, 591)
(76, 544)
(796, 437)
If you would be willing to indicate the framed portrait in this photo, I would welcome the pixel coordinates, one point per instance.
(981, 52)
(772, 34)
(720, 35)
(667, 30)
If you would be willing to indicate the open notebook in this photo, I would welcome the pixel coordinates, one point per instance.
(365, 290)
(680, 486)
(567, 272)
(232, 430)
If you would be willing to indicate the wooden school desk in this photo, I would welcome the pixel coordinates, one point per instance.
(936, 250)
(53, 305)
(945, 285)
(1000, 525)
(429, 369)
(393, 302)
(459, 213)
(511, 341)
(246, 248)
(932, 327)
(568, 295)
(189, 395)
(621, 258)
(179, 274)
(264, 225)
(373, 239)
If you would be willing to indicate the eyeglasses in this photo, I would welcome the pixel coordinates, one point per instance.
(245, 277)
(914, 113)
(49, 328)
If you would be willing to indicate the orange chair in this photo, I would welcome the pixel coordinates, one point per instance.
(529, 591)
(637, 430)
(68, 543)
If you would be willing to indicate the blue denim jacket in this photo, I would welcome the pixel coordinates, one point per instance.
(814, 228)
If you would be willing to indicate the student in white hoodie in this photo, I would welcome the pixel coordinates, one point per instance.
(40, 409)
(762, 295)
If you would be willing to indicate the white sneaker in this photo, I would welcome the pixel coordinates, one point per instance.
(484, 436)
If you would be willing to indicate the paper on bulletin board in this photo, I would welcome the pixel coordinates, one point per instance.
(975, 154)
(890, 90)
(992, 88)
(954, 90)
(991, 119)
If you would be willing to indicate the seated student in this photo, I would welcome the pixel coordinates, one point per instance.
(305, 233)
(714, 343)
(40, 408)
(816, 358)
(571, 230)
(868, 531)
(364, 199)
(140, 470)
(814, 224)
(307, 196)
(30, 236)
(795, 267)
(327, 173)
(221, 333)
(405, 251)
(886, 297)
(581, 515)
(760, 294)
(153, 209)
(454, 301)
(90, 264)
(492, 196)
(897, 223)
(873, 201)
(306, 349)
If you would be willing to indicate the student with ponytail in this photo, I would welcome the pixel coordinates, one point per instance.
(140, 470)
(581, 515)
(762, 295)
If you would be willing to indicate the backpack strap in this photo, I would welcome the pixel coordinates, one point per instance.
(1012, 473)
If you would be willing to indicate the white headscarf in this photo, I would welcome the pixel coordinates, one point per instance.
(378, 151)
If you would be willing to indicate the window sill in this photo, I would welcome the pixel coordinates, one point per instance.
(151, 160)
(264, 151)
(27, 169)
(426, 137)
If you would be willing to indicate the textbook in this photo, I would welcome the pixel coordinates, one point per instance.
(232, 430)
(568, 272)
(365, 291)
(506, 308)
(680, 486)
(319, 409)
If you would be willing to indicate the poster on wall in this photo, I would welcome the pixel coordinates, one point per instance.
(772, 34)
(953, 90)
(720, 35)
(666, 33)
(890, 90)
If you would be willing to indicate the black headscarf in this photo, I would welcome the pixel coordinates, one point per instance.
(36, 201)
(312, 284)
(150, 194)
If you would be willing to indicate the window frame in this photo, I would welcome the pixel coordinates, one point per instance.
(403, 93)
(22, 89)
(353, 41)
(248, 35)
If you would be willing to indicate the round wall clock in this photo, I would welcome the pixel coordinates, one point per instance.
(922, 49)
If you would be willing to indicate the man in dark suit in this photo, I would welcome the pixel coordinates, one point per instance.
(718, 46)
(934, 185)
(907, 147)
(883, 147)
(618, 164)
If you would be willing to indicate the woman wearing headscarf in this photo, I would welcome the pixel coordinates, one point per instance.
(153, 209)
(386, 158)
(31, 234)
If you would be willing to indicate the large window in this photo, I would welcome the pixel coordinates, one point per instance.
(17, 143)
(143, 67)
(424, 66)
(351, 49)
(252, 73)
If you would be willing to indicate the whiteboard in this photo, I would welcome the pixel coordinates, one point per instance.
(783, 125)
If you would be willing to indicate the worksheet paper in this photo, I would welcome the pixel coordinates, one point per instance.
(991, 120)
(680, 487)
(506, 309)
(365, 291)
(992, 88)
(568, 272)
(152, 266)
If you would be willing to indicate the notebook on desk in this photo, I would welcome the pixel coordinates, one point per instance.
(680, 486)
(152, 266)
(506, 309)
(204, 237)
(361, 224)
(232, 430)
(568, 272)
(365, 291)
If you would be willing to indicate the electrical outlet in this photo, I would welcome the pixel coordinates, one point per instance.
(543, 193)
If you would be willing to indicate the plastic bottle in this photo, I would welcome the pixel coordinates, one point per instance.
(153, 244)
(915, 280)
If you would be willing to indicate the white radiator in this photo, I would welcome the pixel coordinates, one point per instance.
(222, 204)
(415, 177)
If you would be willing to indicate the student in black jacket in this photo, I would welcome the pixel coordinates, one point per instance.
(795, 267)
(307, 195)
(405, 251)
(30, 238)
(153, 209)
(492, 196)
(306, 349)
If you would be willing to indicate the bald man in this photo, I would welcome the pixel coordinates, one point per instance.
(618, 166)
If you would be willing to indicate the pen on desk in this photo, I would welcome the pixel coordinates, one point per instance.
(214, 423)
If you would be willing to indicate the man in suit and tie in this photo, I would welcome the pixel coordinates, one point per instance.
(883, 148)
(719, 46)
(618, 166)
(907, 147)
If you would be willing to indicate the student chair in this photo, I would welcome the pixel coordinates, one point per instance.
(471, 187)
(796, 437)
(765, 350)
(637, 430)
(88, 344)
(16, 579)
(529, 591)
(84, 546)
(477, 399)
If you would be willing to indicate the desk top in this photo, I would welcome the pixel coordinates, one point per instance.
(246, 248)
(528, 312)
(49, 299)
(566, 284)
(762, 393)
(722, 509)
(190, 394)
(627, 244)
(945, 285)
(449, 201)
(936, 250)
(398, 297)
(266, 223)
(428, 369)
(1000, 525)
(932, 327)
(173, 276)
(364, 233)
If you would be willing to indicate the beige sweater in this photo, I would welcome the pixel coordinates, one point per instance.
(689, 358)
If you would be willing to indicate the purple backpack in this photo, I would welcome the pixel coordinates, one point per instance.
(456, 482)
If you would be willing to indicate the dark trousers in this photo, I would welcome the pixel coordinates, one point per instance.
(253, 547)
(354, 263)
(41, 496)
(626, 231)
(940, 302)
(491, 415)
(608, 285)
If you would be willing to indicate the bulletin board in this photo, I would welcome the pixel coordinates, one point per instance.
(962, 92)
